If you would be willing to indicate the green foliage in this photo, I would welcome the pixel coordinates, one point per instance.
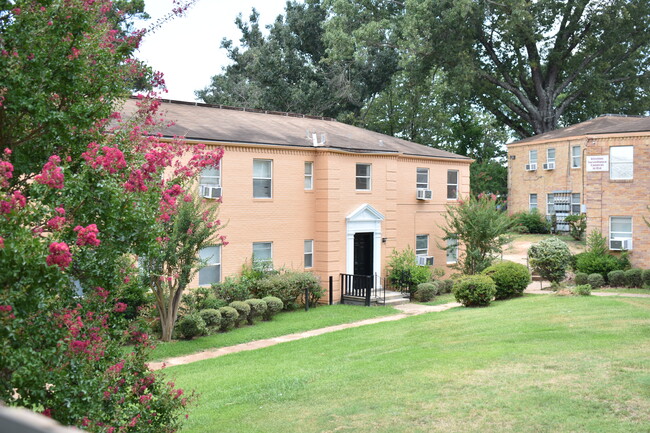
(273, 306)
(590, 262)
(445, 286)
(403, 272)
(531, 221)
(581, 278)
(597, 243)
(426, 292)
(480, 228)
(244, 311)
(596, 280)
(474, 290)
(634, 278)
(231, 289)
(192, 325)
(511, 279)
(211, 317)
(258, 308)
(581, 290)
(577, 225)
(290, 287)
(229, 317)
(616, 278)
(489, 177)
(645, 275)
(550, 259)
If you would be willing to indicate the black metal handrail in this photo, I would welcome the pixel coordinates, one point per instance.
(362, 286)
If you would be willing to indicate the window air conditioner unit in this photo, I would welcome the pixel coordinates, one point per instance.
(425, 260)
(549, 166)
(531, 167)
(620, 244)
(210, 191)
(424, 194)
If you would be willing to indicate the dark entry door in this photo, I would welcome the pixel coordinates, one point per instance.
(363, 249)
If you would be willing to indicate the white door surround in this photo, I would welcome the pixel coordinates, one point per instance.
(364, 219)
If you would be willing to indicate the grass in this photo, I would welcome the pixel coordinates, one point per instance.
(532, 364)
(623, 290)
(442, 299)
(282, 324)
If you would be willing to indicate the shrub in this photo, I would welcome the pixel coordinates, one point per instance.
(645, 275)
(243, 309)
(445, 286)
(474, 290)
(577, 225)
(616, 278)
(211, 317)
(596, 280)
(532, 222)
(510, 278)
(290, 287)
(426, 292)
(258, 308)
(229, 317)
(581, 278)
(590, 262)
(634, 278)
(403, 272)
(582, 290)
(273, 306)
(231, 290)
(191, 325)
(550, 259)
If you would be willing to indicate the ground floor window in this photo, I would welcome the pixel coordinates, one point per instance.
(422, 245)
(452, 251)
(211, 273)
(309, 253)
(532, 201)
(263, 254)
(620, 233)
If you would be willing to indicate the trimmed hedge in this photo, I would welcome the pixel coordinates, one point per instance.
(273, 306)
(243, 309)
(211, 317)
(581, 278)
(258, 308)
(510, 278)
(474, 290)
(190, 326)
(634, 278)
(591, 263)
(229, 317)
(646, 277)
(582, 290)
(596, 280)
(616, 278)
(426, 292)
(290, 288)
(445, 286)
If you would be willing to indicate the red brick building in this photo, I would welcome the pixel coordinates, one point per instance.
(598, 167)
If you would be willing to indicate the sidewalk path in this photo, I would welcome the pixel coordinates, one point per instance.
(407, 311)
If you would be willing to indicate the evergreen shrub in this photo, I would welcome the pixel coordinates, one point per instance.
(190, 326)
(596, 280)
(474, 290)
(510, 278)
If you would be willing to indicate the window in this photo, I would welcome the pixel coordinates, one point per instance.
(532, 201)
(550, 204)
(422, 180)
(309, 175)
(211, 176)
(575, 157)
(452, 184)
(262, 178)
(263, 254)
(550, 155)
(363, 177)
(309, 253)
(620, 228)
(532, 157)
(211, 273)
(575, 203)
(422, 245)
(621, 162)
(452, 251)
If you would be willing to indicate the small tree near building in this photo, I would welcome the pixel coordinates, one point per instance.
(550, 258)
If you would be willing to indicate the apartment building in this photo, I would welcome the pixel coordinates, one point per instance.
(597, 167)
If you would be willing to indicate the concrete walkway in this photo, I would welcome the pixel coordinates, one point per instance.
(407, 311)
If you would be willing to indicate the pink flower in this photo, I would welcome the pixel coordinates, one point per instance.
(120, 307)
(117, 368)
(2, 242)
(56, 223)
(87, 235)
(6, 173)
(59, 255)
(6, 308)
(52, 174)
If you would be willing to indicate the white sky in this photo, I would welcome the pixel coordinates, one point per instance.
(187, 49)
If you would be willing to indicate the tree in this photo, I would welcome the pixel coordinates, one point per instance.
(479, 227)
(550, 258)
(536, 66)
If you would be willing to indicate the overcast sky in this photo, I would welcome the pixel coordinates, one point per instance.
(186, 49)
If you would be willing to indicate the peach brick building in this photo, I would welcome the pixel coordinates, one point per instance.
(599, 167)
(311, 193)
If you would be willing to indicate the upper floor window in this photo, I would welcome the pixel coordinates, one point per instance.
(532, 157)
(422, 245)
(263, 254)
(309, 175)
(452, 184)
(210, 182)
(262, 178)
(452, 251)
(575, 203)
(363, 177)
(550, 155)
(621, 160)
(532, 201)
(309, 253)
(211, 273)
(575, 157)
(422, 180)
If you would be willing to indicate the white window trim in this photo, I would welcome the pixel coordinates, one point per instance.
(578, 203)
(548, 157)
(417, 173)
(550, 203)
(369, 176)
(210, 264)
(457, 184)
(270, 179)
(621, 235)
(576, 160)
(426, 253)
(530, 156)
(530, 201)
(310, 253)
(454, 253)
(309, 176)
(612, 163)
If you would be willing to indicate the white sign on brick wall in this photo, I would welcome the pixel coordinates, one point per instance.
(598, 163)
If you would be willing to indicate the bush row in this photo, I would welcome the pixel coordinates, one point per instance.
(502, 280)
(633, 278)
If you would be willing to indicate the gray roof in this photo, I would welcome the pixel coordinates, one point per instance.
(605, 124)
(211, 123)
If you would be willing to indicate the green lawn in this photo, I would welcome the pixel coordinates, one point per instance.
(442, 299)
(532, 364)
(282, 324)
(623, 290)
